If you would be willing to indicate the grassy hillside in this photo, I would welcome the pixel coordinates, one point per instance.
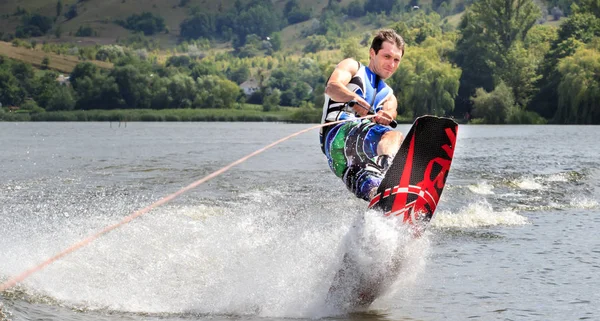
(100, 15)
(62, 63)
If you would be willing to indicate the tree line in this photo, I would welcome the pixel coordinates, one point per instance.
(500, 65)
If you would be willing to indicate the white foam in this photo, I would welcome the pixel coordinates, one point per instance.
(384, 251)
(477, 214)
(558, 177)
(528, 183)
(251, 259)
(584, 203)
(482, 188)
(198, 212)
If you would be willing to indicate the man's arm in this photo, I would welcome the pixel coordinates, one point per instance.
(340, 78)
(388, 112)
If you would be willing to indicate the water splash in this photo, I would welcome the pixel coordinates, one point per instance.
(264, 256)
(584, 203)
(559, 177)
(475, 215)
(527, 183)
(482, 188)
(380, 258)
(3, 316)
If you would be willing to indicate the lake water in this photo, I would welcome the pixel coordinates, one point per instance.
(514, 237)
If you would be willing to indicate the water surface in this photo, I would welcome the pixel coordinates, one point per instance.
(513, 238)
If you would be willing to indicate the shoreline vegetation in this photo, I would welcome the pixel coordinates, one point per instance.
(244, 114)
(283, 114)
(468, 60)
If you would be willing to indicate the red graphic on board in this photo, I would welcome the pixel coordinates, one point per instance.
(417, 201)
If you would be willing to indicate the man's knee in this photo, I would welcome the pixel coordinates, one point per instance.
(390, 143)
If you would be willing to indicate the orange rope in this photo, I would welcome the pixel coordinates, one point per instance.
(19, 278)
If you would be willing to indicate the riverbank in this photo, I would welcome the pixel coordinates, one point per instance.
(248, 113)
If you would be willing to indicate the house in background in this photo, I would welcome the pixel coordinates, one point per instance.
(63, 80)
(250, 86)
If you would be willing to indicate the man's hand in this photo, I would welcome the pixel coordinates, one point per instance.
(383, 118)
(361, 107)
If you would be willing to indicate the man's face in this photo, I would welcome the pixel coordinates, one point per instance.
(386, 61)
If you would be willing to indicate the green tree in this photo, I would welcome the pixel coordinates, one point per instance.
(271, 101)
(58, 32)
(45, 62)
(11, 92)
(379, 6)
(45, 87)
(506, 21)
(216, 92)
(179, 61)
(309, 71)
(520, 73)
(316, 43)
(110, 53)
(260, 18)
(201, 25)
(355, 9)
(82, 70)
(294, 13)
(31, 106)
(61, 99)
(239, 74)
(579, 88)
(182, 90)
(488, 31)
(25, 74)
(133, 86)
(146, 22)
(328, 25)
(160, 98)
(538, 40)
(493, 107)
(33, 25)
(86, 31)
(72, 12)
(98, 91)
(581, 27)
(59, 7)
(424, 84)
(352, 49)
(203, 68)
(250, 47)
(275, 41)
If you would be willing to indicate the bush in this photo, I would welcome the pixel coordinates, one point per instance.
(307, 114)
(31, 106)
(71, 13)
(86, 31)
(556, 13)
(147, 23)
(316, 43)
(494, 106)
(34, 25)
(110, 53)
(517, 115)
(45, 62)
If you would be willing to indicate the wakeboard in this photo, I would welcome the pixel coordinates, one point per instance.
(410, 191)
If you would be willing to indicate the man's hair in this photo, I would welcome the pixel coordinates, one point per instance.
(387, 35)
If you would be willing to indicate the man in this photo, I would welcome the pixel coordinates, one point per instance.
(360, 151)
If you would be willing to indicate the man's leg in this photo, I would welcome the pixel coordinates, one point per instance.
(390, 143)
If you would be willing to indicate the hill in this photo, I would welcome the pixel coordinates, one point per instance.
(101, 16)
(35, 57)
